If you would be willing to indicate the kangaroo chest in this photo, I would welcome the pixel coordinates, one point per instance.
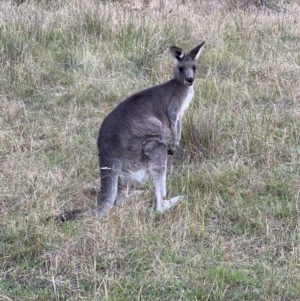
(186, 101)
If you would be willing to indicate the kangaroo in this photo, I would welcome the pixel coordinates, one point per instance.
(132, 140)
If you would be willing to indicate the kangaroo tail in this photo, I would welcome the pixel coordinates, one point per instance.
(72, 214)
(68, 215)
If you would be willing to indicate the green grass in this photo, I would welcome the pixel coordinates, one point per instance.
(64, 67)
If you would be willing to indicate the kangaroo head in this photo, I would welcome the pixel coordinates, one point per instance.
(186, 69)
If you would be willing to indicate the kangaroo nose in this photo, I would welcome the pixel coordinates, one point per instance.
(190, 80)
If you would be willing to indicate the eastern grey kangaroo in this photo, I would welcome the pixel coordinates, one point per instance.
(132, 139)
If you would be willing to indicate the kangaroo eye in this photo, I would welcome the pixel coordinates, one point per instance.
(194, 68)
(181, 69)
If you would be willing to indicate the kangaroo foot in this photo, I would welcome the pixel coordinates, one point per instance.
(167, 204)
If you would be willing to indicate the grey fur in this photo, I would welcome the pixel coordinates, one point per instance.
(132, 138)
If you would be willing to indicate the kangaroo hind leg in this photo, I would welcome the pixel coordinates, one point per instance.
(109, 187)
(156, 150)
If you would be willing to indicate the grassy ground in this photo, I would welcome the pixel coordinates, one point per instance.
(64, 66)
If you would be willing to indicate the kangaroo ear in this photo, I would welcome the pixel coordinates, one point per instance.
(177, 53)
(195, 53)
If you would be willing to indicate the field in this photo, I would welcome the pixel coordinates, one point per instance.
(64, 65)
